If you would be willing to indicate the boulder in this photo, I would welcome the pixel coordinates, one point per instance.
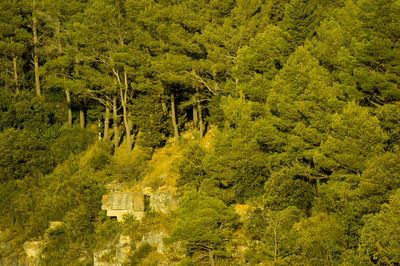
(54, 224)
(163, 201)
(33, 250)
(119, 203)
(155, 240)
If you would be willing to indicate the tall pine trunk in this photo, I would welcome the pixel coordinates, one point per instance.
(82, 117)
(15, 74)
(124, 95)
(115, 122)
(69, 108)
(127, 128)
(201, 123)
(67, 92)
(195, 115)
(35, 52)
(106, 123)
(173, 117)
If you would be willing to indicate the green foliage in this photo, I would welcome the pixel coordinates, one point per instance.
(150, 118)
(259, 62)
(69, 195)
(303, 93)
(237, 164)
(141, 253)
(320, 240)
(300, 19)
(105, 230)
(58, 250)
(191, 168)
(204, 224)
(290, 187)
(98, 161)
(23, 153)
(100, 155)
(377, 50)
(388, 115)
(378, 181)
(129, 168)
(380, 243)
(302, 97)
(7, 191)
(355, 137)
(32, 113)
(273, 235)
(71, 141)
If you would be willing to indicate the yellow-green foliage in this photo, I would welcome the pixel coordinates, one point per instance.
(305, 95)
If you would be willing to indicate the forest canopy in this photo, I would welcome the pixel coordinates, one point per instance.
(300, 100)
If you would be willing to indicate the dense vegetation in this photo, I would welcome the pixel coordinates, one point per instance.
(304, 96)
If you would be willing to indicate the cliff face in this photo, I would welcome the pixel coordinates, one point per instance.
(118, 204)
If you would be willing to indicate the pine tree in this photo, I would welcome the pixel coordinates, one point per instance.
(14, 40)
(205, 224)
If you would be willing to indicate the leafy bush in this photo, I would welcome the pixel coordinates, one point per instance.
(72, 140)
(98, 161)
(23, 153)
(141, 253)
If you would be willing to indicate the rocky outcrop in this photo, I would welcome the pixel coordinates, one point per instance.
(155, 240)
(33, 250)
(117, 204)
(114, 255)
(163, 201)
(54, 224)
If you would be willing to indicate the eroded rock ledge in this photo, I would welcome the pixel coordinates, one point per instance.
(117, 204)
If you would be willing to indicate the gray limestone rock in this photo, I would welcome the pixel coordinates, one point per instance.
(114, 255)
(155, 240)
(119, 203)
(163, 202)
(33, 249)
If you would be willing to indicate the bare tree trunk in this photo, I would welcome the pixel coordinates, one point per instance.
(130, 127)
(69, 108)
(15, 74)
(67, 92)
(201, 124)
(82, 117)
(37, 81)
(123, 93)
(173, 117)
(195, 115)
(106, 123)
(115, 122)
(127, 129)
(35, 53)
(123, 90)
